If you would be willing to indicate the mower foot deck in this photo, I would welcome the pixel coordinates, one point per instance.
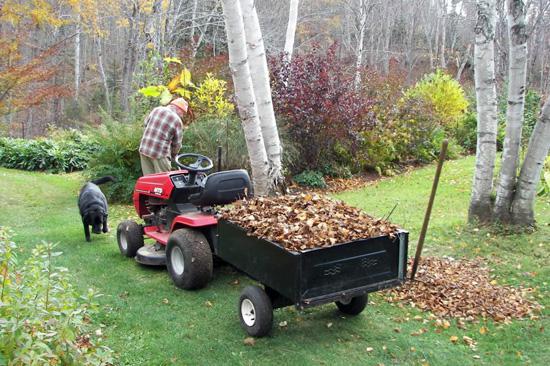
(151, 255)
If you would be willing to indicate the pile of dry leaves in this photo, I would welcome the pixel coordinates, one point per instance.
(305, 221)
(462, 289)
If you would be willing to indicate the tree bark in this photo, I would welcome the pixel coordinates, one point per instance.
(129, 61)
(484, 67)
(262, 92)
(244, 94)
(77, 57)
(517, 75)
(443, 34)
(463, 63)
(529, 177)
(291, 29)
(103, 76)
(360, 42)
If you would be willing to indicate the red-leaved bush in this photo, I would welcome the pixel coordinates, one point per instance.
(315, 98)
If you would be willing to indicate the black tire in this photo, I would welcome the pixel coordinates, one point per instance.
(355, 306)
(129, 235)
(189, 259)
(256, 314)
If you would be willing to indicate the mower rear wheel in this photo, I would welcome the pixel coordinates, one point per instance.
(355, 306)
(129, 235)
(255, 311)
(189, 259)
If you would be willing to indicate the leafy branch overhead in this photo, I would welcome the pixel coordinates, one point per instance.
(208, 97)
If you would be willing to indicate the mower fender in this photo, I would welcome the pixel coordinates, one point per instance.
(193, 220)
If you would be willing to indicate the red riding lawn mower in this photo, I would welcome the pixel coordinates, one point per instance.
(178, 213)
(177, 210)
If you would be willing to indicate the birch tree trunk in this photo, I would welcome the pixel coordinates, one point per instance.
(244, 94)
(360, 41)
(291, 29)
(262, 92)
(193, 22)
(103, 76)
(529, 177)
(517, 75)
(484, 68)
(443, 34)
(77, 58)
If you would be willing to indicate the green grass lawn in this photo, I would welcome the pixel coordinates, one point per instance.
(148, 321)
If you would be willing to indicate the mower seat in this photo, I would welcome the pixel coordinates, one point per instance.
(221, 188)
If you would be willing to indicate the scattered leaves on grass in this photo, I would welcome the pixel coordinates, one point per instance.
(462, 289)
(305, 221)
(249, 341)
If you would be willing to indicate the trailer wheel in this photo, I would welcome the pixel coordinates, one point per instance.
(189, 259)
(255, 311)
(355, 306)
(129, 236)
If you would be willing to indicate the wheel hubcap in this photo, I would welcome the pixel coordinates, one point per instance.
(176, 260)
(123, 241)
(248, 312)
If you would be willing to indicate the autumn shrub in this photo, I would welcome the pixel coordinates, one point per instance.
(43, 319)
(210, 98)
(443, 94)
(315, 99)
(63, 151)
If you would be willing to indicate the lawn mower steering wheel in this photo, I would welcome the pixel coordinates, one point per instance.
(195, 167)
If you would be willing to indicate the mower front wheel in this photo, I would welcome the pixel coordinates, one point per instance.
(129, 235)
(189, 259)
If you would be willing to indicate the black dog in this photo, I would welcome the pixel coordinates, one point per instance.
(93, 207)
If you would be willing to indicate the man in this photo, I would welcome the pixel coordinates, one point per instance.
(161, 139)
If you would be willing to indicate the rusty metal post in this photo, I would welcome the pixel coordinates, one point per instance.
(442, 154)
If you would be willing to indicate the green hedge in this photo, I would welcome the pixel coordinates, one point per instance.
(63, 152)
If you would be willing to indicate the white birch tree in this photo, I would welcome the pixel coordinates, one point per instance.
(244, 94)
(524, 199)
(259, 72)
(484, 66)
(360, 42)
(291, 29)
(517, 76)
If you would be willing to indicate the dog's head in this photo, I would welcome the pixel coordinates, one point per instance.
(95, 218)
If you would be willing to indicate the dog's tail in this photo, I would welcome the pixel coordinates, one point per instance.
(104, 180)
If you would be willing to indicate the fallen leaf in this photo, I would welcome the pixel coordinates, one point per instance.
(208, 304)
(165, 301)
(283, 324)
(249, 341)
(370, 349)
(453, 339)
(329, 325)
(482, 330)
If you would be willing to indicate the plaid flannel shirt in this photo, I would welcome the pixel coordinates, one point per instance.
(163, 133)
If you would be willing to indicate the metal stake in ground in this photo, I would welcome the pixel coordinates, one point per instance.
(442, 154)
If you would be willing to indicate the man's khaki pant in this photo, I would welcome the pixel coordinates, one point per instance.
(151, 166)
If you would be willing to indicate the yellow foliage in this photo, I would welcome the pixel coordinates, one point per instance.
(210, 97)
